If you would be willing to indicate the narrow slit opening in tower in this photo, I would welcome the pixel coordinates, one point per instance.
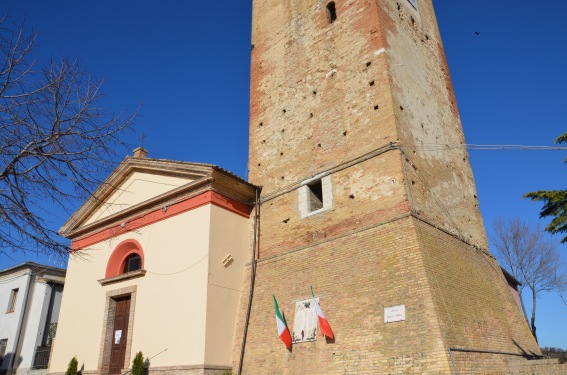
(331, 12)
(315, 196)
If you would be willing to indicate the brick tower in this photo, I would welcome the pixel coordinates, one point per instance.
(369, 197)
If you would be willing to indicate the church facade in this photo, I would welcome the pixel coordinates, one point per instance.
(367, 205)
(162, 251)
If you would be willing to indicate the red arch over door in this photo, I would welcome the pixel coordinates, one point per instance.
(121, 252)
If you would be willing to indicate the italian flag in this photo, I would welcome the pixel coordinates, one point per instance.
(283, 332)
(323, 322)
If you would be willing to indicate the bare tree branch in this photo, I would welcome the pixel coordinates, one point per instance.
(56, 143)
(531, 257)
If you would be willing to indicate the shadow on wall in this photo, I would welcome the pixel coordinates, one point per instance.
(6, 360)
(525, 353)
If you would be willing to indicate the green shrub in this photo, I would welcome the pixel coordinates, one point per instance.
(72, 368)
(138, 364)
(51, 333)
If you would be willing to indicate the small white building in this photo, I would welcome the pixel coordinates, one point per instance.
(30, 298)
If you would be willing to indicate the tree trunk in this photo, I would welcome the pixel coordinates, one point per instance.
(533, 327)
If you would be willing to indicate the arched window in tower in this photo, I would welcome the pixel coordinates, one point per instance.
(331, 12)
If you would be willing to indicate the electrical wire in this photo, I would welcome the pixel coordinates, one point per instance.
(176, 272)
(397, 146)
(471, 146)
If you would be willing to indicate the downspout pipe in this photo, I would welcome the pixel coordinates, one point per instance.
(252, 276)
(453, 362)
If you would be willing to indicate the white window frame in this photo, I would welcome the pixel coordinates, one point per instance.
(304, 196)
(13, 300)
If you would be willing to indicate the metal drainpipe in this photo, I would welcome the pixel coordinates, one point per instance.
(252, 277)
(25, 306)
(453, 362)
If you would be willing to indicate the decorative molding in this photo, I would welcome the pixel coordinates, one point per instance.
(115, 265)
(200, 177)
(183, 192)
(130, 165)
(207, 197)
(123, 277)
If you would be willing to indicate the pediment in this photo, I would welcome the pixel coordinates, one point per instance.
(137, 188)
(135, 184)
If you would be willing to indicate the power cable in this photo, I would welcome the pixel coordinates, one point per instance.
(176, 272)
(470, 146)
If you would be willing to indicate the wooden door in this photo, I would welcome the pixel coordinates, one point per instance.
(119, 335)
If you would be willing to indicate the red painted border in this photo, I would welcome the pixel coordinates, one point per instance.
(121, 252)
(208, 197)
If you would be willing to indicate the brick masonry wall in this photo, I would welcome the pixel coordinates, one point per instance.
(440, 179)
(322, 95)
(355, 277)
(498, 364)
(314, 89)
(471, 296)
(363, 195)
(455, 296)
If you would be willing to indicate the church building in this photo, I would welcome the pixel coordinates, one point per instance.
(163, 246)
(367, 211)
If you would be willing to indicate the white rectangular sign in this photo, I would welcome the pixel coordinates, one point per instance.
(117, 336)
(395, 313)
(305, 322)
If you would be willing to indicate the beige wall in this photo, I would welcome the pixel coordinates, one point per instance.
(171, 299)
(137, 188)
(82, 304)
(229, 235)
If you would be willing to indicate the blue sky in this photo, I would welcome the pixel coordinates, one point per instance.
(187, 64)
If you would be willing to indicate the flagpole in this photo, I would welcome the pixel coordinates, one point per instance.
(324, 326)
(313, 296)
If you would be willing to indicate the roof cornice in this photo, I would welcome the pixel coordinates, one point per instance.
(202, 177)
(183, 192)
(128, 166)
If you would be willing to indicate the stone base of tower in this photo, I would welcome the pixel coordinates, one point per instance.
(473, 301)
(502, 364)
(455, 297)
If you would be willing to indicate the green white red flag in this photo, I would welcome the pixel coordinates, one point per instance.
(283, 331)
(323, 322)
